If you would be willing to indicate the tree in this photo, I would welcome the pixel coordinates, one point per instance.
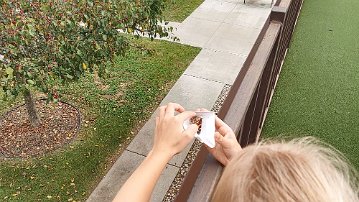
(44, 42)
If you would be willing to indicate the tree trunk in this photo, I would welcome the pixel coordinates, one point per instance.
(31, 110)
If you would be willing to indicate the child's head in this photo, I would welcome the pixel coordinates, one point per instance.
(300, 170)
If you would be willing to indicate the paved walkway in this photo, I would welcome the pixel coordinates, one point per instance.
(226, 31)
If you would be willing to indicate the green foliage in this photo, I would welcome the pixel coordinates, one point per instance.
(44, 43)
(136, 83)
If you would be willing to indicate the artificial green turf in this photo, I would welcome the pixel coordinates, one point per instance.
(178, 10)
(318, 89)
(137, 83)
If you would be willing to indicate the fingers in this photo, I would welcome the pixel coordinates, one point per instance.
(169, 109)
(191, 130)
(222, 127)
(157, 121)
(210, 150)
(172, 107)
(162, 112)
(185, 115)
(218, 137)
(201, 110)
(225, 142)
(219, 123)
(188, 136)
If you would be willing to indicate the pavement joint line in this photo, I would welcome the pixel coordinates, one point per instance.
(199, 18)
(209, 39)
(221, 23)
(221, 51)
(136, 153)
(173, 165)
(240, 54)
(238, 2)
(246, 26)
(146, 156)
(198, 77)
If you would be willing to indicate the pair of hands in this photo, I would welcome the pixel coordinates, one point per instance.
(170, 138)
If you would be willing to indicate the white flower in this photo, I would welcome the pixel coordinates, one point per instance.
(1, 57)
(82, 24)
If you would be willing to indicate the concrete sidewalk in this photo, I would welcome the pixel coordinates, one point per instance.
(226, 32)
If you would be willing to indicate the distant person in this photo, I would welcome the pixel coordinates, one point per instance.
(300, 170)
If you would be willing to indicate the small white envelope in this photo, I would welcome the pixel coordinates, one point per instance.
(206, 135)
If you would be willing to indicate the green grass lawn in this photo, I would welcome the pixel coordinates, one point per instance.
(178, 10)
(318, 90)
(111, 111)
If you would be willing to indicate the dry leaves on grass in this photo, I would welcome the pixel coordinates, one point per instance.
(59, 125)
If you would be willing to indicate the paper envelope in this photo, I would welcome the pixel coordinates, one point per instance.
(206, 134)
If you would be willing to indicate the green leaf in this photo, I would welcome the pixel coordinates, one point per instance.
(2, 93)
(9, 71)
(31, 82)
(69, 76)
(31, 32)
(79, 53)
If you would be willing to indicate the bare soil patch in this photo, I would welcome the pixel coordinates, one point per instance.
(59, 125)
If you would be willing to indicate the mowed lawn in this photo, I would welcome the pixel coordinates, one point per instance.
(179, 10)
(318, 89)
(112, 108)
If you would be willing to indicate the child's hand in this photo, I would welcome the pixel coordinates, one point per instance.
(170, 138)
(226, 143)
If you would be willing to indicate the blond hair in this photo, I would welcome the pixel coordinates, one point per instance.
(300, 170)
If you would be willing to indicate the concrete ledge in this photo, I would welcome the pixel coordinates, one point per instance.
(191, 93)
(118, 174)
(121, 171)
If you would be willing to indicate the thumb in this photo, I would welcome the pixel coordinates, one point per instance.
(188, 136)
(191, 130)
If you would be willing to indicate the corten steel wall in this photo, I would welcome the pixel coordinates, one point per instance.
(246, 105)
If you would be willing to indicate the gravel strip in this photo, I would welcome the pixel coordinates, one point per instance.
(177, 182)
